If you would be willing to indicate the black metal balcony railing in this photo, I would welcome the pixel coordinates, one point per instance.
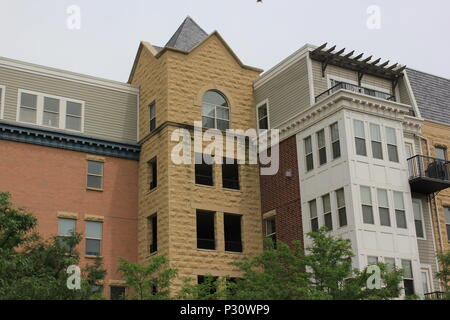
(428, 175)
(437, 295)
(355, 88)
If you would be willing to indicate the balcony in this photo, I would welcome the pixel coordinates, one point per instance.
(355, 88)
(428, 175)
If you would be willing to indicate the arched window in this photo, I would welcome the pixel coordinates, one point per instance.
(215, 111)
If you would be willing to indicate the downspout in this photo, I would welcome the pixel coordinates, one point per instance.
(435, 200)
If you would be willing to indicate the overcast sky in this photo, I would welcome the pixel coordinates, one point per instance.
(412, 32)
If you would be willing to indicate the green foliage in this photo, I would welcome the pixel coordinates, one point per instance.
(444, 274)
(33, 268)
(324, 272)
(142, 279)
(211, 289)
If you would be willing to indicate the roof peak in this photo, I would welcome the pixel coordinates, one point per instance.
(187, 36)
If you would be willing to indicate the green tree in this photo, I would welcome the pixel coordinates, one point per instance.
(33, 268)
(150, 281)
(324, 272)
(444, 274)
(212, 288)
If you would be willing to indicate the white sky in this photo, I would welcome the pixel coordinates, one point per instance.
(413, 32)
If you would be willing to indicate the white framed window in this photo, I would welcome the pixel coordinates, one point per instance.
(321, 147)
(66, 228)
(309, 158)
(447, 221)
(427, 283)
(215, 111)
(375, 137)
(2, 100)
(441, 153)
(95, 175)
(390, 264)
(366, 202)
(383, 207)
(360, 138)
(262, 111)
(270, 229)
(335, 143)
(372, 260)
(313, 215)
(50, 111)
(400, 215)
(408, 278)
(327, 216)
(418, 219)
(94, 230)
(342, 212)
(391, 138)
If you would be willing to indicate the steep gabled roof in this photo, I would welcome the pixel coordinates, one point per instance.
(432, 94)
(187, 36)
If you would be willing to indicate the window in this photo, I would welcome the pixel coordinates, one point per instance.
(335, 144)
(270, 230)
(28, 107)
(326, 204)
(366, 201)
(309, 154)
(215, 111)
(152, 115)
(342, 214)
(206, 238)
(313, 215)
(232, 231)
(372, 260)
(66, 227)
(230, 174)
(400, 215)
(383, 207)
(263, 117)
(441, 153)
(425, 275)
(203, 171)
(117, 293)
(321, 146)
(153, 173)
(360, 138)
(418, 221)
(408, 279)
(2, 100)
(50, 111)
(95, 175)
(392, 144)
(390, 264)
(153, 230)
(375, 136)
(93, 238)
(447, 221)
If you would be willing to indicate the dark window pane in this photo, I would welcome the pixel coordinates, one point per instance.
(223, 124)
(232, 231)
(448, 232)
(94, 182)
(409, 287)
(152, 124)
(392, 153)
(205, 230)
(314, 225)
(263, 124)
(95, 167)
(28, 100)
(377, 150)
(342, 217)
(323, 156)
(329, 221)
(214, 97)
(309, 162)
(93, 247)
(368, 214)
(336, 149)
(153, 171)
(400, 218)
(385, 219)
(203, 171)
(73, 123)
(419, 228)
(360, 147)
(154, 233)
(74, 108)
(117, 293)
(230, 175)
(208, 122)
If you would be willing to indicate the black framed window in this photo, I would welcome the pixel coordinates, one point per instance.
(206, 237)
(203, 171)
(153, 230)
(153, 173)
(230, 174)
(117, 293)
(152, 115)
(232, 232)
(263, 117)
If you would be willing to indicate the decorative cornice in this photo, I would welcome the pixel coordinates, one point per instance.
(412, 124)
(80, 143)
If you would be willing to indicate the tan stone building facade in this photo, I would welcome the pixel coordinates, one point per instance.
(173, 81)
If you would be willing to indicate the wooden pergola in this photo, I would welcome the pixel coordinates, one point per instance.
(358, 64)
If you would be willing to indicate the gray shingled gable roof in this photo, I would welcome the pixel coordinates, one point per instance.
(188, 35)
(432, 95)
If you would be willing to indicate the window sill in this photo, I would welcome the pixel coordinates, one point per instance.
(232, 189)
(94, 189)
(205, 186)
(87, 256)
(234, 252)
(151, 190)
(206, 250)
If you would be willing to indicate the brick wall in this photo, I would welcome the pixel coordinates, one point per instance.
(282, 194)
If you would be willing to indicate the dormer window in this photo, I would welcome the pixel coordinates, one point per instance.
(215, 111)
